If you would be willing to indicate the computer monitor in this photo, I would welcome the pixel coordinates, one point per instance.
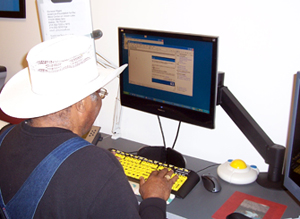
(292, 166)
(169, 74)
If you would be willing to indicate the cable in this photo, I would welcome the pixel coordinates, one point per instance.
(207, 167)
(104, 61)
(176, 135)
(163, 136)
(162, 132)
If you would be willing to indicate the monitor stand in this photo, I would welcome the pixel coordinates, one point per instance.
(162, 154)
(272, 154)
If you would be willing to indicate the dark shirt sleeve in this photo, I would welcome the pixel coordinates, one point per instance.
(153, 208)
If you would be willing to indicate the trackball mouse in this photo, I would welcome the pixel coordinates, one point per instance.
(211, 183)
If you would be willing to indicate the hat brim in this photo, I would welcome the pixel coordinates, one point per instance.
(18, 100)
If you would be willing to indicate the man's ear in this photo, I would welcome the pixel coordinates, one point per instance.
(80, 106)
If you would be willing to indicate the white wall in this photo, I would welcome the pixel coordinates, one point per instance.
(258, 51)
(17, 36)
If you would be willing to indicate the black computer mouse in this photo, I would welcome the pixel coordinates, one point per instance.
(211, 183)
(237, 215)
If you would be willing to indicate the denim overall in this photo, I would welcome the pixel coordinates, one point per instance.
(24, 203)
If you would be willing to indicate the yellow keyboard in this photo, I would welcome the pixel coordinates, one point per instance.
(137, 166)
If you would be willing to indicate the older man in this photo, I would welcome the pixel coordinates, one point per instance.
(61, 92)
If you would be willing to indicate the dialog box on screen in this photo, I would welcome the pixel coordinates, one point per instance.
(161, 66)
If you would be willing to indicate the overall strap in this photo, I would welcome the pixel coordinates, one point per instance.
(2, 136)
(23, 205)
(5, 132)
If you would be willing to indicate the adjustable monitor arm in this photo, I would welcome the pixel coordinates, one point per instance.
(272, 154)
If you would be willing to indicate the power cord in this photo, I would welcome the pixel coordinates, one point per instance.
(162, 133)
(176, 135)
(207, 167)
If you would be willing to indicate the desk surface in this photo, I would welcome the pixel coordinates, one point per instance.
(200, 203)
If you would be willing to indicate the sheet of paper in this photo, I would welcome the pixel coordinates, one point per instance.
(174, 216)
(63, 18)
(136, 187)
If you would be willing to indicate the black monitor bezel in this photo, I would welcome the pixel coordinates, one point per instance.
(289, 183)
(165, 110)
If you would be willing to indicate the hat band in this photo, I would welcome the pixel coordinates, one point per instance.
(51, 66)
(63, 75)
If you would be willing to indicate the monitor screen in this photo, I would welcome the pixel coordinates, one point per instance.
(292, 169)
(169, 74)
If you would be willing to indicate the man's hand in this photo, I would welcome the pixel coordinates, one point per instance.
(158, 185)
(114, 153)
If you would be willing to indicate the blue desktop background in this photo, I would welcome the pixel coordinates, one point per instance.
(200, 101)
(9, 5)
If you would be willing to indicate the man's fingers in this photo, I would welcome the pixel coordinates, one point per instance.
(163, 172)
(167, 173)
(142, 181)
(114, 153)
(174, 179)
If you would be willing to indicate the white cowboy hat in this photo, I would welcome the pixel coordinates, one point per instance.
(60, 72)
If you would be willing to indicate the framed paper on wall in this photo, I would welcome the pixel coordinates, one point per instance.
(12, 8)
